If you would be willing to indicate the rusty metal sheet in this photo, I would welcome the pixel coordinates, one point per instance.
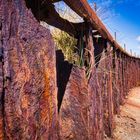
(73, 116)
(30, 97)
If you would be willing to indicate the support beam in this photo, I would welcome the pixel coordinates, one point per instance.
(46, 11)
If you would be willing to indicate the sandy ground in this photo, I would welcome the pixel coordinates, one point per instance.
(128, 122)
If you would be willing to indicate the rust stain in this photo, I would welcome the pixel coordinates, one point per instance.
(47, 105)
(24, 102)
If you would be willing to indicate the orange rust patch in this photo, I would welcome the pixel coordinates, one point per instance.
(1, 129)
(24, 101)
(46, 102)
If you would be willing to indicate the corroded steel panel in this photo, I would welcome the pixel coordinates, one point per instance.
(74, 121)
(30, 97)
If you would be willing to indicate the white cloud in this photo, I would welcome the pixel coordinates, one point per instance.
(138, 38)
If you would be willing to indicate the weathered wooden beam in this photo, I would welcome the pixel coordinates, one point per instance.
(46, 12)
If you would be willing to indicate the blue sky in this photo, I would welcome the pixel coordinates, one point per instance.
(122, 17)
